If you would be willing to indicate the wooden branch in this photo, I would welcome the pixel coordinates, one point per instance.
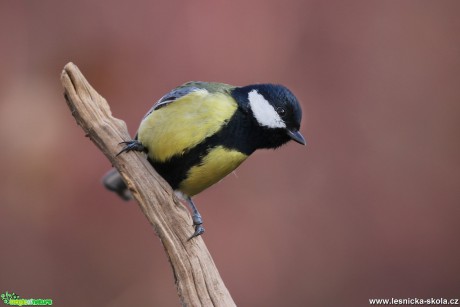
(197, 280)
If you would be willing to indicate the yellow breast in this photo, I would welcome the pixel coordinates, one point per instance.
(216, 165)
(184, 123)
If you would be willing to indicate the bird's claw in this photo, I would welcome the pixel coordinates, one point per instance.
(133, 145)
(199, 230)
(196, 217)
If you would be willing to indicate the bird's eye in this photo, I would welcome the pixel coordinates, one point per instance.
(281, 111)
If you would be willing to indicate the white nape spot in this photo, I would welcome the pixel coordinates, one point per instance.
(264, 112)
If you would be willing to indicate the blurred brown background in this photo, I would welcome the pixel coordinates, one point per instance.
(370, 208)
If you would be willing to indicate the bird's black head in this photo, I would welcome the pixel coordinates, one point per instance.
(275, 112)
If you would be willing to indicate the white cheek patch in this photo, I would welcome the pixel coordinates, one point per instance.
(264, 112)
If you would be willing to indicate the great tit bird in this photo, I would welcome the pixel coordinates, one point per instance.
(200, 132)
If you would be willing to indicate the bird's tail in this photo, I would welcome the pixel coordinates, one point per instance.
(113, 181)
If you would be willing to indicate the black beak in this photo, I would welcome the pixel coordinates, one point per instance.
(296, 136)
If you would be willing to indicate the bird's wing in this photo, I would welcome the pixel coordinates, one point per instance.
(186, 89)
(171, 96)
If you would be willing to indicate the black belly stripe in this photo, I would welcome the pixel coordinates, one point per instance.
(234, 135)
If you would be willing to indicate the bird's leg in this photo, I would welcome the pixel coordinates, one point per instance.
(196, 217)
(133, 145)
